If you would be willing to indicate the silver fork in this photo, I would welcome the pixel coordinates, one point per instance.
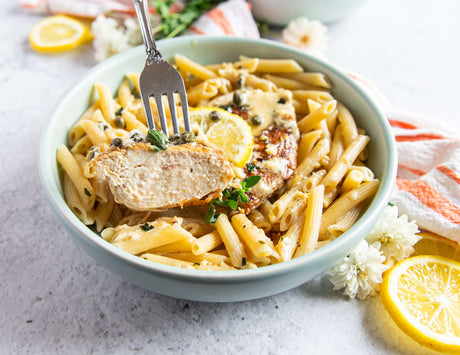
(159, 78)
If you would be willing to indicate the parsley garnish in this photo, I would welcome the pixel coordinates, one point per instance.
(282, 100)
(250, 167)
(196, 264)
(87, 193)
(243, 261)
(389, 203)
(147, 227)
(157, 139)
(231, 197)
(174, 24)
(211, 216)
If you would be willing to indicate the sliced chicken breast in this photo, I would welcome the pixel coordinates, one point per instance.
(144, 180)
(273, 120)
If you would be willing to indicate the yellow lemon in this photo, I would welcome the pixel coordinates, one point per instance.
(432, 244)
(58, 33)
(422, 295)
(225, 131)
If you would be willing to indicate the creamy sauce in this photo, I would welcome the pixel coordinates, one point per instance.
(274, 108)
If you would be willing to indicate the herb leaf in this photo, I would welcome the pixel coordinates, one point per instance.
(147, 227)
(231, 197)
(211, 216)
(87, 193)
(157, 139)
(174, 24)
(251, 181)
(250, 167)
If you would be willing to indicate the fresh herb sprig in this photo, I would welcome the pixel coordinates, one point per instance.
(173, 24)
(157, 139)
(231, 197)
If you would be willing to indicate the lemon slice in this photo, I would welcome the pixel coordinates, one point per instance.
(225, 131)
(422, 295)
(58, 33)
(432, 244)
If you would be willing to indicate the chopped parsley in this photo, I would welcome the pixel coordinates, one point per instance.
(87, 193)
(147, 227)
(119, 111)
(157, 139)
(390, 204)
(261, 242)
(231, 196)
(250, 167)
(196, 264)
(243, 261)
(282, 100)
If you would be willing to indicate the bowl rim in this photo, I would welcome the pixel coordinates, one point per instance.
(86, 234)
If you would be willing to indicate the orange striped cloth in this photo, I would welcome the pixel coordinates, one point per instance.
(229, 18)
(428, 183)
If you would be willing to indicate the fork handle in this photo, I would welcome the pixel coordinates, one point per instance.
(142, 11)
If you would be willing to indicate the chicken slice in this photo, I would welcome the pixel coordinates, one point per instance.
(276, 134)
(144, 180)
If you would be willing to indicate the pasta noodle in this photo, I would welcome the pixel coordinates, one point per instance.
(327, 193)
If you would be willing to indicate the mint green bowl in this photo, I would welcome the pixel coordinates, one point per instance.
(217, 286)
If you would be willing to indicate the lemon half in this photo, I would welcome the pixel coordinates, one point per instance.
(422, 295)
(225, 131)
(58, 33)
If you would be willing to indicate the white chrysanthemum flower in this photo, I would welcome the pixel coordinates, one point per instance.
(360, 272)
(397, 236)
(133, 32)
(109, 37)
(309, 36)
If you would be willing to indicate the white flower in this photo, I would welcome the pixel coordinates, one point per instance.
(133, 31)
(397, 236)
(109, 37)
(360, 272)
(309, 36)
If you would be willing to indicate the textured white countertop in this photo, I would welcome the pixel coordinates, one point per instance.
(55, 299)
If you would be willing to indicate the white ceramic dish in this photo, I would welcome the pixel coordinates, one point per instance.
(281, 12)
(219, 286)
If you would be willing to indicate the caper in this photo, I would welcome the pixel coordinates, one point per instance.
(117, 142)
(256, 120)
(188, 137)
(241, 82)
(92, 152)
(102, 126)
(137, 136)
(215, 115)
(120, 121)
(175, 139)
(239, 98)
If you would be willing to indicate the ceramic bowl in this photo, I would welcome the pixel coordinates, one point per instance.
(280, 13)
(216, 286)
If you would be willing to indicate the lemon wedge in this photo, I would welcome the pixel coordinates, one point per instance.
(58, 33)
(422, 295)
(433, 244)
(225, 131)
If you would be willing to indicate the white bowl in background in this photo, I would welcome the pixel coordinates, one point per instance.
(277, 12)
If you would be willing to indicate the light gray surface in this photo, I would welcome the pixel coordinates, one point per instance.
(56, 299)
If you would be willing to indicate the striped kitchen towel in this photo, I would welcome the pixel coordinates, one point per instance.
(229, 18)
(86, 8)
(428, 183)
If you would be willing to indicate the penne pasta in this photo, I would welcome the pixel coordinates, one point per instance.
(325, 193)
